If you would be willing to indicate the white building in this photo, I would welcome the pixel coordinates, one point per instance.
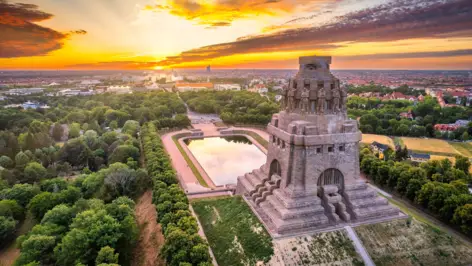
(193, 86)
(90, 82)
(24, 91)
(224, 87)
(119, 89)
(70, 92)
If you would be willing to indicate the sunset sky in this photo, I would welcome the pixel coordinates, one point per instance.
(155, 34)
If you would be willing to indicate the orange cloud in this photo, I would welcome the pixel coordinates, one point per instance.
(219, 13)
(21, 36)
(396, 20)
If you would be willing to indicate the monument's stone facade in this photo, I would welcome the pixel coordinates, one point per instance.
(311, 178)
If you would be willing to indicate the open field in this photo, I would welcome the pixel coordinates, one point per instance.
(465, 148)
(437, 146)
(330, 248)
(234, 233)
(369, 138)
(395, 243)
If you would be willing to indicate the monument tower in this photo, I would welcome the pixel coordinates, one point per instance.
(311, 178)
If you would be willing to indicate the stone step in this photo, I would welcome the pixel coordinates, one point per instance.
(296, 212)
(364, 203)
(246, 184)
(312, 222)
(360, 194)
(253, 179)
(355, 186)
(261, 175)
(290, 204)
(375, 212)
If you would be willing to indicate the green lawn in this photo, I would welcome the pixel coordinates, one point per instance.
(463, 147)
(396, 243)
(234, 233)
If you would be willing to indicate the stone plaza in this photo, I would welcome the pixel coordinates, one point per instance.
(311, 179)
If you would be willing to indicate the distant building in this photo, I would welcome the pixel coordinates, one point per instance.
(119, 89)
(418, 157)
(225, 87)
(28, 105)
(24, 91)
(193, 86)
(406, 115)
(72, 92)
(378, 147)
(446, 127)
(90, 82)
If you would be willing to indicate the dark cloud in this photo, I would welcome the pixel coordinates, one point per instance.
(79, 32)
(452, 53)
(21, 36)
(396, 20)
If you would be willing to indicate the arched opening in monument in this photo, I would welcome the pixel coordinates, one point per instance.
(275, 168)
(331, 176)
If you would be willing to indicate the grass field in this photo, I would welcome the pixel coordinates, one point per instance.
(234, 233)
(438, 146)
(330, 248)
(395, 243)
(369, 138)
(258, 138)
(465, 148)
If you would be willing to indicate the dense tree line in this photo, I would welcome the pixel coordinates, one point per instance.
(383, 117)
(438, 186)
(232, 106)
(75, 224)
(183, 245)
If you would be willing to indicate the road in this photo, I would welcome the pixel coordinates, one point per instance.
(359, 246)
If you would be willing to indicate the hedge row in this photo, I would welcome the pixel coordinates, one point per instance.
(183, 245)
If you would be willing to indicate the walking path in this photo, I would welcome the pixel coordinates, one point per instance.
(359, 246)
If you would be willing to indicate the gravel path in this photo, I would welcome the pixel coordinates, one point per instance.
(359, 246)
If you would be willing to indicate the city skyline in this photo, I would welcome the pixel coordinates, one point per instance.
(257, 34)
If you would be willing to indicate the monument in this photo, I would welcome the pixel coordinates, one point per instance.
(311, 180)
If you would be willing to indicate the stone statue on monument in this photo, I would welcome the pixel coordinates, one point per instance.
(335, 100)
(305, 100)
(320, 106)
(283, 100)
(343, 99)
(291, 99)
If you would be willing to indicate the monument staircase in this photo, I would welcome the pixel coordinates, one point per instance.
(364, 204)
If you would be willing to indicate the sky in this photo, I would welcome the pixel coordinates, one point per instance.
(254, 34)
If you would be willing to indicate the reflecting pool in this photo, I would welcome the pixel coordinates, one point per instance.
(226, 158)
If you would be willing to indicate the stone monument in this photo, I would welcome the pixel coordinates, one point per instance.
(311, 178)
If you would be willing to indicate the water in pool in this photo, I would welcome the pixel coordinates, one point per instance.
(226, 158)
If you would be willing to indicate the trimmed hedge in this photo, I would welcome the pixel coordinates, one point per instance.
(183, 245)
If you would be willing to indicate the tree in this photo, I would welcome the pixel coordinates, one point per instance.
(463, 218)
(6, 162)
(74, 130)
(452, 203)
(7, 228)
(21, 160)
(37, 248)
(34, 172)
(11, 208)
(90, 230)
(22, 193)
(75, 152)
(61, 215)
(123, 152)
(462, 163)
(57, 132)
(42, 203)
(131, 127)
(106, 255)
